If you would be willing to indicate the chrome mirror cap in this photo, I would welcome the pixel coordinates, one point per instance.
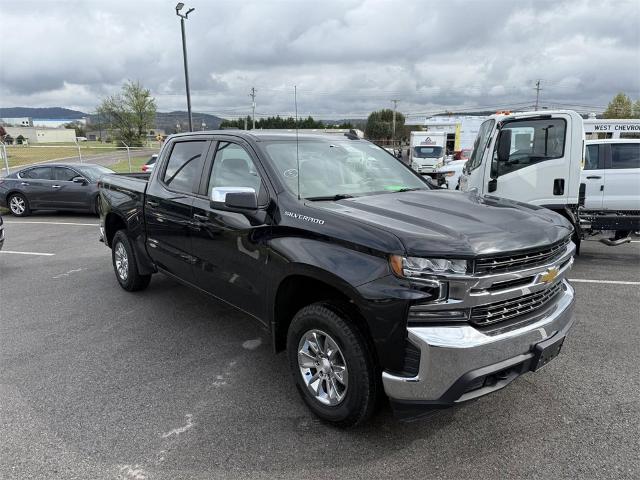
(219, 194)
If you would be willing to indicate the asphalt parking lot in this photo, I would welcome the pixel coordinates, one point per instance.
(167, 383)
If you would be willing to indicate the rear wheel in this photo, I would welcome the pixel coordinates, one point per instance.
(332, 365)
(19, 205)
(124, 264)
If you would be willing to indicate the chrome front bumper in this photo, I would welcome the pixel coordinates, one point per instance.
(451, 357)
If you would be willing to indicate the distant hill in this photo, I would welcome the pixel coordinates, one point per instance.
(168, 121)
(47, 112)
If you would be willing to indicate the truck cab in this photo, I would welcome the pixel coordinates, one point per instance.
(539, 158)
(532, 157)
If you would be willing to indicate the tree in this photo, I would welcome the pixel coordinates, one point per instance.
(274, 122)
(79, 128)
(380, 125)
(129, 113)
(636, 109)
(619, 107)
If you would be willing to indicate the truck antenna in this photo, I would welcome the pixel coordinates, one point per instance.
(295, 101)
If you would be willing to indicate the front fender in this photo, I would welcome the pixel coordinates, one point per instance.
(362, 276)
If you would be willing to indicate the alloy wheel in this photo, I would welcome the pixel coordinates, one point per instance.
(323, 367)
(17, 205)
(121, 261)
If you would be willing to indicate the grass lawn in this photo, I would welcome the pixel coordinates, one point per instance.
(136, 164)
(42, 152)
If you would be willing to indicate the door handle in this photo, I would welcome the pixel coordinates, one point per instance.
(200, 218)
(56, 186)
(152, 203)
(594, 177)
(25, 183)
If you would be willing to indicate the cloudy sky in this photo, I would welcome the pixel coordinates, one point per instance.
(346, 57)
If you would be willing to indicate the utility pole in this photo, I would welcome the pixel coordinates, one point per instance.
(395, 106)
(179, 7)
(253, 107)
(538, 88)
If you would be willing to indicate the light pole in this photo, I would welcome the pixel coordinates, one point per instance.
(179, 7)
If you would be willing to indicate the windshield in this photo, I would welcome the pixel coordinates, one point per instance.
(480, 144)
(93, 172)
(339, 168)
(427, 152)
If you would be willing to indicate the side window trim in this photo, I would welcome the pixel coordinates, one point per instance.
(167, 157)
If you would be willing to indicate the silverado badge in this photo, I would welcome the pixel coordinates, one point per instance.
(550, 275)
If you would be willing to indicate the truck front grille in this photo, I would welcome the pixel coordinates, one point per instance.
(491, 313)
(506, 263)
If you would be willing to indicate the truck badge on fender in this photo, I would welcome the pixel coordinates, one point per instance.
(304, 217)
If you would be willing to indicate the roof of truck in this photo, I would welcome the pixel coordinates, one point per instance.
(258, 135)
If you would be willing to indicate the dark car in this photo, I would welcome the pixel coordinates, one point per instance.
(52, 187)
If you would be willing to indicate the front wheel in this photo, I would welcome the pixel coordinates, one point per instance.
(332, 365)
(124, 264)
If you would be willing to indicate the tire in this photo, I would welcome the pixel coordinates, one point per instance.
(360, 392)
(19, 205)
(124, 264)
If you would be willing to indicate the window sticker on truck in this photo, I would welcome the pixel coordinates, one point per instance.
(304, 217)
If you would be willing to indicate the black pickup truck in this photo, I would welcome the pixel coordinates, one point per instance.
(369, 277)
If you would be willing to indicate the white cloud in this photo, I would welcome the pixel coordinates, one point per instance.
(346, 57)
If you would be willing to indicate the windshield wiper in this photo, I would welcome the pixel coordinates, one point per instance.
(339, 196)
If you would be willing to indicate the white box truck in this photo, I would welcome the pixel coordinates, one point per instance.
(427, 151)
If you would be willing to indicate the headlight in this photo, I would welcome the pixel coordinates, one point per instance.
(417, 267)
(449, 174)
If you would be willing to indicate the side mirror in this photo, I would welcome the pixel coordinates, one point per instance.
(244, 198)
(80, 180)
(504, 145)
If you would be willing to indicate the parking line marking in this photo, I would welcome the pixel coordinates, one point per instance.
(612, 282)
(28, 253)
(57, 223)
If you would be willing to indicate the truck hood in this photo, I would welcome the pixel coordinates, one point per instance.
(454, 224)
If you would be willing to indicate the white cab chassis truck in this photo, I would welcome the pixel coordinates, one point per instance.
(537, 158)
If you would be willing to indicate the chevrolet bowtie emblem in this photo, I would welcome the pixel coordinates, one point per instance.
(550, 275)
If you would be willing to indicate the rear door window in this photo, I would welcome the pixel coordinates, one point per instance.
(184, 167)
(38, 173)
(625, 155)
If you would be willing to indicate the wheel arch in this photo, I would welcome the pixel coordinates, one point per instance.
(112, 223)
(310, 285)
